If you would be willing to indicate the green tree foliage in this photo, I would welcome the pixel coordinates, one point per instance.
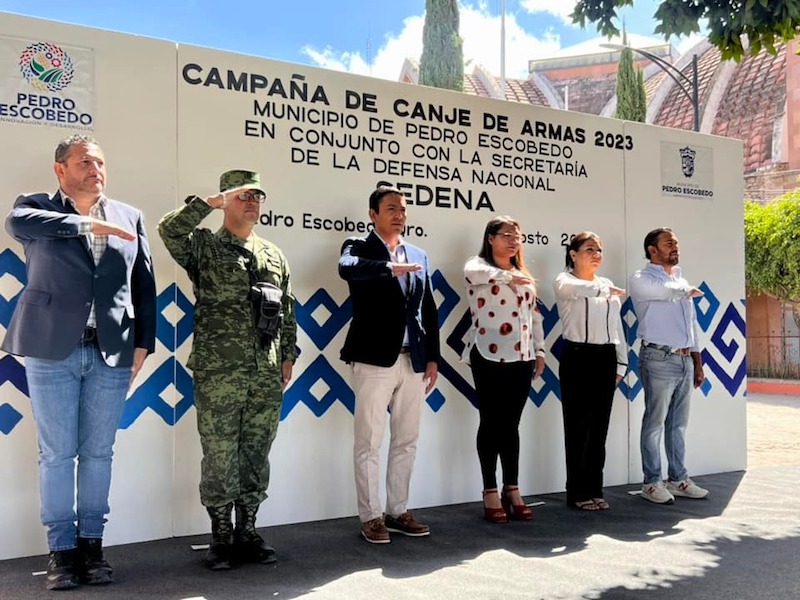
(763, 22)
(772, 238)
(631, 97)
(442, 62)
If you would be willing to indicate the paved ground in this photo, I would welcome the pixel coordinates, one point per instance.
(773, 430)
(741, 543)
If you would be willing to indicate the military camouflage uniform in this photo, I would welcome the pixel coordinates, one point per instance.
(237, 383)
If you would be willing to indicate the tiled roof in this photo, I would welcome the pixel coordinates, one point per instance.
(749, 108)
(677, 111)
(524, 90)
(474, 86)
(588, 94)
(753, 102)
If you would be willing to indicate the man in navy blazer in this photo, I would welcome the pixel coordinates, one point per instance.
(85, 323)
(392, 347)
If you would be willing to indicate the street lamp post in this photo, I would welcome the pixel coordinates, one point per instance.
(688, 86)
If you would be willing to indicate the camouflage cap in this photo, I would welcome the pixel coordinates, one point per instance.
(239, 178)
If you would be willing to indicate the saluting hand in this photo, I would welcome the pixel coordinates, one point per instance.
(400, 269)
(100, 227)
(519, 280)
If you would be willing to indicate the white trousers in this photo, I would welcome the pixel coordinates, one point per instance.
(398, 390)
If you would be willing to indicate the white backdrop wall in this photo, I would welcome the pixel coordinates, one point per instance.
(172, 118)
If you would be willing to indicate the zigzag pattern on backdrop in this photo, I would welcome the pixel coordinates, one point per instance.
(320, 385)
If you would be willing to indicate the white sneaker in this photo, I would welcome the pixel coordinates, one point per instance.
(686, 488)
(657, 492)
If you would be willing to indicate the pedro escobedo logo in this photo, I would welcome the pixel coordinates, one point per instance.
(46, 67)
(687, 161)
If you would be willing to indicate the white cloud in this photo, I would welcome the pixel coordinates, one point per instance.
(479, 30)
(560, 8)
(388, 58)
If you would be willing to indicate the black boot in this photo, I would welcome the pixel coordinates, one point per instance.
(248, 545)
(91, 567)
(61, 570)
(218, 557)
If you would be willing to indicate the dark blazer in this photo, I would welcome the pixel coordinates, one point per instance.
(52, 310)
(381, 311)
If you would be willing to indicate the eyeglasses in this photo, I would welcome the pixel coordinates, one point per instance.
(257, 196)
(512, 237)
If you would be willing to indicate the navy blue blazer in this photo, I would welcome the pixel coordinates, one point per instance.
(52, 310)
(381, 311)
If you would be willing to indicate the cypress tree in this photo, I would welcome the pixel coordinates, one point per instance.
(631, 97)
(442, 61)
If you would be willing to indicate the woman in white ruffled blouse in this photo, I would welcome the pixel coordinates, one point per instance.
(505, 350)
(593, 361)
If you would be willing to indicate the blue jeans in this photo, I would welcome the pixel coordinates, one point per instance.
(667, 379)
(77, 405)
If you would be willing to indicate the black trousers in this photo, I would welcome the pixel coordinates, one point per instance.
(502, 390)
(588, 380)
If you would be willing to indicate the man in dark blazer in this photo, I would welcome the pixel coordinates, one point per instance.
(85, 323)
(392, 347)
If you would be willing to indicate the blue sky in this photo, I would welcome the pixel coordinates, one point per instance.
(370, 37)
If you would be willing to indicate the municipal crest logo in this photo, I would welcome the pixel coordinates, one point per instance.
(687, 161)
(46, 67)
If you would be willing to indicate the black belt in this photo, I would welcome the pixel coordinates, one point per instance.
(405, 349)
(669, 349)
(89, 334)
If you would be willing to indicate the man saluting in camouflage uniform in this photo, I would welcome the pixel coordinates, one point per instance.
(242, 356)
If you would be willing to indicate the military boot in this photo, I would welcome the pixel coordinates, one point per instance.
(248, 545)
(91, 567)
(61, 570)
(218, 556)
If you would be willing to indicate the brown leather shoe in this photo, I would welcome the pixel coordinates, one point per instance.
(407, 525)
(375, 532)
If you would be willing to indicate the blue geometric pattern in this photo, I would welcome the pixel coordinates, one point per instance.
(549, 316)
(631, 391)
(549, 383)
(435, 400)
(147, 395)
(730, 318)
(300, 390)
(450, 297)
(707, 308)
(450, 300)
(12, 371)
(322, 335)
(174, 337)
(10, 264)
(9, 417)
(711, 304)
(629, 330)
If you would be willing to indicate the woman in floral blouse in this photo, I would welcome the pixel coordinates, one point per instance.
(505, 350)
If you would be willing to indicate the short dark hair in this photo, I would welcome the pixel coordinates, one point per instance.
(651, 239)
(577, 241)
(382, 190)
(62, 150)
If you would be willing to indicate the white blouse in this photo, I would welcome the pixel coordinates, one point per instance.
(590, 314)
(506, 324)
